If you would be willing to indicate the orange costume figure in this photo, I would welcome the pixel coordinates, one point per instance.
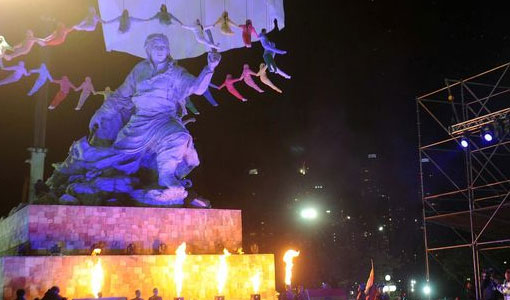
(57, 37)
(65, 87)
(248, 30)
(265, 80)
(229, 84)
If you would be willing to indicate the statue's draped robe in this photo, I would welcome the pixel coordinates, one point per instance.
(139, 124)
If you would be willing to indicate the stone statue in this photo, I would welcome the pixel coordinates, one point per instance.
(138, 147)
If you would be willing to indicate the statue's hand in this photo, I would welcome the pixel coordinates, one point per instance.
(213, 59)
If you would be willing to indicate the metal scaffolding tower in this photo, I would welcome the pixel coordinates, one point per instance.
(465, 186)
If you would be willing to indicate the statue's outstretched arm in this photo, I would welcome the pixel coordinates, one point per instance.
(201, 83)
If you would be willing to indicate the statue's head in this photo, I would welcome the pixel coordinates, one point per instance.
(30, 33)
(87, 79)
(138, 293)
(246, 66)
(92, 10)
(248, 22)
(197, 22)
(262, 65)
(263, 31)
(163, 8)
(225, 14)
(229, 76)
(108, 89)
(157, 48)
(155, 291)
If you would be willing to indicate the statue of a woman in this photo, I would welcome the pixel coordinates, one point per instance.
(139, 126)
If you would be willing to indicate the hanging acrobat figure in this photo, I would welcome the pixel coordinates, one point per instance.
(267, 44)
(265, 80)
(198, 32)
(90, 21)
(225, 22)
(248, 30)
(24, 47)
(86, 89)
(65, 87)
(229, 84)
(164, 17)
(57, 37)
(271, 64)
(18, 71)
(4, 46)
(44, 75)
(246, 76)
(106, 93)
(124, 21)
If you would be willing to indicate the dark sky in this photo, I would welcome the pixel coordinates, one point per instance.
(356, 68)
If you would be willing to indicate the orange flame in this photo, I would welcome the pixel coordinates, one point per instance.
(287, 258)
(97, 274)
(255, 281)
(221, 275)
(178, 273)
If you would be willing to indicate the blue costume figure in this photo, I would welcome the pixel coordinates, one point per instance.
(44, 75)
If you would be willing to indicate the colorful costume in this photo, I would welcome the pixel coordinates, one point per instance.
(248, 30)
(65, 87)
(124, 21)
(18, 72)
(263, 77)
(267, 44)
(229, 84)
(57, 37)
(4, 46)
(44, 75)
(271, 64)
(164, 17)
(246, 76)
(198, 32)
(86, 89)
(106, 93)
(24, 47)
(225, 22)
(90, 22)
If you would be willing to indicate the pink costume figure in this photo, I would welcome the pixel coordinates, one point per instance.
(86, 89)
(106, 93)
(248, 30)
(198, 32)
(225, 22)
(246, 76)
(4, 46)
(44, 75)
(65, 87)
(57, 37)
(265, 80)
(18, 72)
(124, 21)
(90, 21)
(229, 84)
(24, 47)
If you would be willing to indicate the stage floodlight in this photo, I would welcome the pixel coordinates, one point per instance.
(464, 142)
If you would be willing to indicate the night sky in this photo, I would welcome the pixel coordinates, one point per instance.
(356, 68)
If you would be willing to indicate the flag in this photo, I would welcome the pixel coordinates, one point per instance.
(370, 289)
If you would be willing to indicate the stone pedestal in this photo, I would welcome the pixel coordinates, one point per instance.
(36, 228)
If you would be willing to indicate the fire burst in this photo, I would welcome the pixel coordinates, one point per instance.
(97, 276)
(287, 258)
(178, 273)
(255, 282)
(221, 276)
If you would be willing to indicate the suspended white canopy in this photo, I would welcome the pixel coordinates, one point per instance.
(182, 42)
